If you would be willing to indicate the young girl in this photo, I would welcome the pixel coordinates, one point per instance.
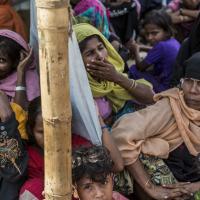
(162, 56)
(14, 49)
(34, 186)
(92, 174)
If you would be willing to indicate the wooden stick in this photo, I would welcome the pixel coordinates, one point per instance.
(53, 22)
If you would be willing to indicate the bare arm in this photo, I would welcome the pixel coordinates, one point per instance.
(106, 71)
(20, 94)
(176, 192)
(190, 13)
(140, 92)
(109, 143)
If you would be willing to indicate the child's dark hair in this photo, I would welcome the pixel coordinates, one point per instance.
(11, 49)
(34, 110)
(91, 162)
(83, 43)
(161, 19)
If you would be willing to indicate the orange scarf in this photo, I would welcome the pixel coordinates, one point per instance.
(9, 19)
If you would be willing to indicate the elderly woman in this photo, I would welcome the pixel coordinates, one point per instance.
(110, 87)
(169, 129)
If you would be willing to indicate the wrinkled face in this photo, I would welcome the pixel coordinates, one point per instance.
(94, 50)
(191, 90)
(89, 190)
(154, 34)
(191, 4)
(5, 66)
(38, 131)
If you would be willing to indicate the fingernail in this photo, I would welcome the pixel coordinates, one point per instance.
(191, 194)
(165, 197)
(163, 185)
(88, 65)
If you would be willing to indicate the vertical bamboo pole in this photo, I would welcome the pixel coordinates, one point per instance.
(53, 49)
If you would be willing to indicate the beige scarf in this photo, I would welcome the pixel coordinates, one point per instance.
(159, 128)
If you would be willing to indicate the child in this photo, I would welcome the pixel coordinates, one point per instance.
(162, 56)
(14, 49)
(13, 156)
(34, 186)
(92, 174)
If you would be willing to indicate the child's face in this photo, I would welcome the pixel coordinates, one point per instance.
(191, 4)
(89, 190)
(38, 131)
(154, 34)
(94, 50)
(5, 65)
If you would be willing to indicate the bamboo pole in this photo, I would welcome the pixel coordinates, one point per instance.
(56, 110)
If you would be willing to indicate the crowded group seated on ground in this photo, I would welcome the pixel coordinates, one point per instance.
(141, 60)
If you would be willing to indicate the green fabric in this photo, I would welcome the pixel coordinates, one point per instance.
(159, 172)
(115, 93)
(123, 183)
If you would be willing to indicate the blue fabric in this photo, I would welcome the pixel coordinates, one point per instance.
(162, 56)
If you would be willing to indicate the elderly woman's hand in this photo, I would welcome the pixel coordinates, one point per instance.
(103, 70)
(175, 192)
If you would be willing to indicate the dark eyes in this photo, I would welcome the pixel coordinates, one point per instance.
(87, 187)
(2, 60)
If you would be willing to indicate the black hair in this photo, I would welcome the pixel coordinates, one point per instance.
(93, 162)
(161, 19)
(82, 44)
(34, 109)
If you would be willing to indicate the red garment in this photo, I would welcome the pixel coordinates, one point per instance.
(9, 19)
(35, 182)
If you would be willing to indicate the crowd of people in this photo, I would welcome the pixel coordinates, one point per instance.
(148, 107)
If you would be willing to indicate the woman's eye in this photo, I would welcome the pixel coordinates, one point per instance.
(101, 47)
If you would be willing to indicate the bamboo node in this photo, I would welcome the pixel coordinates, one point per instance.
(58, 195)
(55, 120)
(55, 4)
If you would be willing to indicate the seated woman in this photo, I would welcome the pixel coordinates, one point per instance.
(104, 66)
(14, 49)
(9, 19)
(169, 129)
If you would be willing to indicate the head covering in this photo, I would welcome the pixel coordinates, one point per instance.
(32, 80)
(84, 12)
(115, 93)
(9, 19)
(192, 66)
